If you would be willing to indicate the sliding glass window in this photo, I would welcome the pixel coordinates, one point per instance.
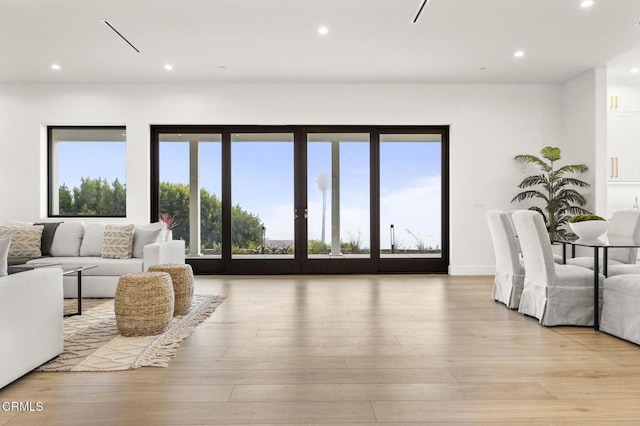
(190, 189)
(87, 171)
(410, 195)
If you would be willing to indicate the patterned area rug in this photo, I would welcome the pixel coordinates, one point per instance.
(92, 341)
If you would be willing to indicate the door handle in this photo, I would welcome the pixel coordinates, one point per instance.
(611, 105)
(295, 213)
(616, 102)
(611, 167)
(617, 166)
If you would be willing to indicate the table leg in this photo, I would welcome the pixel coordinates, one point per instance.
(79, 304)
(79, 292)
(596, 290)
(564, 253)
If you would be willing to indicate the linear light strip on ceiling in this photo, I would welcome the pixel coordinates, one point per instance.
(121, 36)
(424, 3)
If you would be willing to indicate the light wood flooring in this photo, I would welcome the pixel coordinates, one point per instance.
(394, 349)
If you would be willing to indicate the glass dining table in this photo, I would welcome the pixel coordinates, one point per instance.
(605, 244)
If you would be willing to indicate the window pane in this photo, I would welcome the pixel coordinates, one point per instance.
(410, 195)
(262, 215)
(338, 195)
(190, 190)
(88, 171)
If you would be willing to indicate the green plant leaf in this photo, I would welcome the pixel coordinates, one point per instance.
(525, 195)
(532, 159)
(551, 153)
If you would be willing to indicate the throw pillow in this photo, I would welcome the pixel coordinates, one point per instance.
(117, 242)
(143, 236)
(67, 240)
(4, 252)
(25, 240)
(48, 233)
(92, 240)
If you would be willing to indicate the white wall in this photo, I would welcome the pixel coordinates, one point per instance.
(585, 132)
(489, 125)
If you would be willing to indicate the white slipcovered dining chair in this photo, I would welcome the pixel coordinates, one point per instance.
(556, 257)
(509, 279)
(621, 307)
(624, 226)
(555, 294)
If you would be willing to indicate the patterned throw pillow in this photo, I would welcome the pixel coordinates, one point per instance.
(25, 240)
(118, 241)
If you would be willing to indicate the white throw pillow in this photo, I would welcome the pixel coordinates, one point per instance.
(144, 235)
(92, 240)
(25, 240)
(117, 242)
(67, 240)
(4, 252)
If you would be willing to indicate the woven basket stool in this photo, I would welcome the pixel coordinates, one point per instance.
(143, 303)
(182, 278)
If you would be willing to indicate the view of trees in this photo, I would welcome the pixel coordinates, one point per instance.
(94, 197)
(98, 197)
(246, 227)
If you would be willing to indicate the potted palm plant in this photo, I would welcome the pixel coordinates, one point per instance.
(555, 187)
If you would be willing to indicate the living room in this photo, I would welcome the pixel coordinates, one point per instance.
(255, 63)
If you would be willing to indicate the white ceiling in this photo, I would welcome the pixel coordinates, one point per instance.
(369, 41)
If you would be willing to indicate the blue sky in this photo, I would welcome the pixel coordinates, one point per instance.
(91, 159)
(262, 182)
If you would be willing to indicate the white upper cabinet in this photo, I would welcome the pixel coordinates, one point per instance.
(623, 99)
(624, 147)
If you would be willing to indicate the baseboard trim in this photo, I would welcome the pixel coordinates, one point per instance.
(472, 270)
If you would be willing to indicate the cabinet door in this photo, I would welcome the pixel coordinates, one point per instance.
(623, 153)
(623, 99)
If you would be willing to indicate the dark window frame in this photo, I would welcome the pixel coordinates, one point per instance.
(51, 168)
(304, 265)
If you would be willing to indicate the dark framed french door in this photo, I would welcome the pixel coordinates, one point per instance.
(305, 199)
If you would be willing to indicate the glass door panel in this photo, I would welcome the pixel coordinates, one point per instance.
(262, 196)
(338, 200)
(410, 195)
(190, 189)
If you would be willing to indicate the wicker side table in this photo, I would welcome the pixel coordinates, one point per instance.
(182, 278)
(143, 303)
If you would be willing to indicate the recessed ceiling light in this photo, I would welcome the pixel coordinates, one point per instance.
(323, 30)
(635, 70)
(168, 67)
(519, 54)
(587, 3)
(56, 67)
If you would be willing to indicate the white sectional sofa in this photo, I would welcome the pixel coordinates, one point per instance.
(31, 314)
(77, 243)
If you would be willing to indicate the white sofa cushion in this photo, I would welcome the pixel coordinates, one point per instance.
(67, 240)
(107, 267)
(92, 240)
(25, 240)
(143, 235)
(31, 308)
(118, 241)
